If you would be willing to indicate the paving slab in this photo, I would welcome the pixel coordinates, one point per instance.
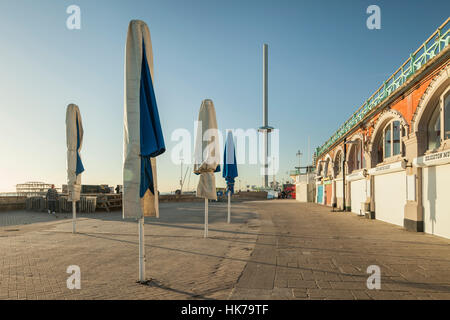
(277, 249)
(38, 248)
(320, 254)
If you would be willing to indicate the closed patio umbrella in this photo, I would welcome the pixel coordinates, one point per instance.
(230, 171)
(143, 138)
(207, 155)
(74, 139)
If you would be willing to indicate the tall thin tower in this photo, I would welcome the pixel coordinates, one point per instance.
(265, 129)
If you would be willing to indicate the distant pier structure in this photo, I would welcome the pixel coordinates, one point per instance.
(265, 129)
(32, 188)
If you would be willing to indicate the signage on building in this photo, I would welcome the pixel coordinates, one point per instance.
(433, 159)
(357, 175)
(388, 168)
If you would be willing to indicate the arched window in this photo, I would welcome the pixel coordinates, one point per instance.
(380, 152)
(446, 117)
(387, 141)
(392, 136)
(327, 168)
(396, 129)
(356, 156)
(438, 128)
(338, 164)
(319, 170)
(434, 129)
(363, 159)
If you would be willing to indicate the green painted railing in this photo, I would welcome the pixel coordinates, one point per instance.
(297, 172)
(426, 52)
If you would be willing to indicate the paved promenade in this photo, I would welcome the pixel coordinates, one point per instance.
(183, 264)
(277, 249)
(305, 251)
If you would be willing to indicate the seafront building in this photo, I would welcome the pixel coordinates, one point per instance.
(391, 160)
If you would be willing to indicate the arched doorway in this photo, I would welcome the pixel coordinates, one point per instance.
(327, 181)
(388, 167)
(359, 186)
(431, 125)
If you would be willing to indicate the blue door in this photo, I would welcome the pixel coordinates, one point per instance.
(319, 193)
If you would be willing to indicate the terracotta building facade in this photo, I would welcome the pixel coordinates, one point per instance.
(391, 160)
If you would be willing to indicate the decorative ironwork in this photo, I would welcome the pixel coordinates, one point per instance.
(426, 52)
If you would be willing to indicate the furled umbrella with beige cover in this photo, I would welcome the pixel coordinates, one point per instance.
(74, 139)
(207, 155)
(143, 138)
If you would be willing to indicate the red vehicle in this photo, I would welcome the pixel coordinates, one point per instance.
(288, 191)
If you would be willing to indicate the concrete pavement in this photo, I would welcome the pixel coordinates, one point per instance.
(277, 249)
(183, 264)
(305, 251)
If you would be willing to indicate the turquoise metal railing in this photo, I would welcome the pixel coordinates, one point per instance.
(299, 172)
(426, 52)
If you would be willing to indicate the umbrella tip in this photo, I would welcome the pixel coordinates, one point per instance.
(72, 105)
(137, 22)
(207, 102)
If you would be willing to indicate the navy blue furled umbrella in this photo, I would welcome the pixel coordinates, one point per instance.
(143, 137)
(230, 171)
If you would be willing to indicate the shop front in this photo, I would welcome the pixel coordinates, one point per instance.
(328, 196)
(359, 191)
(390, 192)
(319, 192)
(436, 192)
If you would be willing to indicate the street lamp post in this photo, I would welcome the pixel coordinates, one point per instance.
(299, 155)
(181, 175)
(344, 162)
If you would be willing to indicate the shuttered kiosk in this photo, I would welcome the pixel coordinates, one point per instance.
(143, 138)
(74, 139)
(435, 199)
(390, 192)
(359, 190)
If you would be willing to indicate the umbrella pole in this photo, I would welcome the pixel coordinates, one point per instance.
(156, 198)
(206, 219)
(74, 216)
(229, 206)
(157, 205)
(141, 251)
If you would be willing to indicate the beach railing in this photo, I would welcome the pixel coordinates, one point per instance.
(87, 204)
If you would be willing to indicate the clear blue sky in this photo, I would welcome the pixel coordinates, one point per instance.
(323, 63)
